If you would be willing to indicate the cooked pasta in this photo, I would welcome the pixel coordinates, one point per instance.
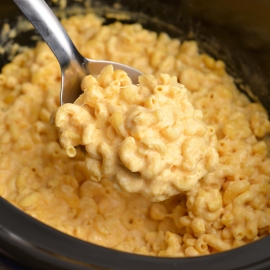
(226, 208)
(151, 140)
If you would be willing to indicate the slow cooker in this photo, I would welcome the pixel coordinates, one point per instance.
(236, 31)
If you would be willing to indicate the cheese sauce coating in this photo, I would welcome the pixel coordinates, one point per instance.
(225, 209)
(148, 138)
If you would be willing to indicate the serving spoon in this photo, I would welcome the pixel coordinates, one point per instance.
(74, 66)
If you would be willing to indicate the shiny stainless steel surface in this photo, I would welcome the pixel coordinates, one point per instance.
(73, 65)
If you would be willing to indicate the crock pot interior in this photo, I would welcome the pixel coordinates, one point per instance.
(38, 246)
(234, 31)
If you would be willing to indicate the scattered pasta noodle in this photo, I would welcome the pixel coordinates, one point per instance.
(227, 208)
(148, 138)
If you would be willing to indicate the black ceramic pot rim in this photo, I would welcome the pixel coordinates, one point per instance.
(38, 246)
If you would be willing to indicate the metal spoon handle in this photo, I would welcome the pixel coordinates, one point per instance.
(51, 30)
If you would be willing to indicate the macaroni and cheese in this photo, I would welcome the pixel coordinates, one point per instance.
(148, 138)
(227, 208)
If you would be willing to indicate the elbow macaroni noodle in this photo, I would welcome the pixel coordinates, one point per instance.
(226, 208)
(148, 138)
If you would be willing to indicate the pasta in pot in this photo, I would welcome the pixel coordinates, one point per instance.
(227, 208)
(148, 138)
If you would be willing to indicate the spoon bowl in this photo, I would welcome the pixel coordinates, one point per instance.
(74, 67)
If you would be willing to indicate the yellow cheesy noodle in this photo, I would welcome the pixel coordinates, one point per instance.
(148, 138)
(225, 209)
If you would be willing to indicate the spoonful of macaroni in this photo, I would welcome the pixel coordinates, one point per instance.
(73, 65)
(147, 138)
